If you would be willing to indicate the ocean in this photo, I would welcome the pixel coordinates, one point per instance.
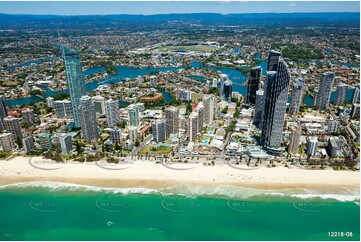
(62, 211)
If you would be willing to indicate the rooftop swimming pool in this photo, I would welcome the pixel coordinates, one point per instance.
(205, 141)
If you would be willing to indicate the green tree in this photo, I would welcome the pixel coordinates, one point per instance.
(225, 110)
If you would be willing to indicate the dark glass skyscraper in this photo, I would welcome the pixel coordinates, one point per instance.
(276, 94)
(273, 60)
(253, 84)
(76, 82)
(3, 112)
(227, 90)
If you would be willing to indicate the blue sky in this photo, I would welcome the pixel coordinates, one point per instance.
(87, 8)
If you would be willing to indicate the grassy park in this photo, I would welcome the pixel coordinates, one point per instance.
(155, 150)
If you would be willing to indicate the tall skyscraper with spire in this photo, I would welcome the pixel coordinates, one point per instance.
(75, 79)
(253, 84)
(276, 94)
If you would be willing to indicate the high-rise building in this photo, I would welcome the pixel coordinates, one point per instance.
(87, 119)
(133, 117)
(185, 95)
(315, 93)
(200, 112)
(208, 102)
(153, 80)
(340, 94)
(12, 125)
(7, 142)
(192, 126)
(28, 116)
(183, 123)
(335, 145)
(311, 146)
(355, 111)
(273, 60)
(295, 140)
(276, 95)
(112, 112)
(254, 82)
(115, 135)
(324, 90)
(99, 104)
(75, 79)
(223, 79)
(133, 134)
(63, 109)
(227, 90)
(332, 126)
(28, 143)
(44, 140)
(140, 106)
(259, 107)
(3, 112)
(159, 130)
(66, 143)
(50, 101)
(356, 95)
(172, 120)
(296, 96)
(55, 139)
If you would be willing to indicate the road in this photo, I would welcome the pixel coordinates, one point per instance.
(26, 83)
(136, 150)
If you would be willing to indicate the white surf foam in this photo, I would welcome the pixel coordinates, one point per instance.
(338, 197)
(227, 191)
(77, 187)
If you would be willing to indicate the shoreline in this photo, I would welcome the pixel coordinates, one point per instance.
(147, 174)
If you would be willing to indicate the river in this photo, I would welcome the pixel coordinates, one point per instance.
(237, 77)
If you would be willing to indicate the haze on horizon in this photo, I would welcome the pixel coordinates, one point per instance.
(167, 7)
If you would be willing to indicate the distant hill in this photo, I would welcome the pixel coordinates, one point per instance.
(20, 21)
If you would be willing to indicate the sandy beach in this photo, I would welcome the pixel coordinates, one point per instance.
(151, 175)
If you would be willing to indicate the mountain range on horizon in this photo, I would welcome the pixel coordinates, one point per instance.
(21, 21)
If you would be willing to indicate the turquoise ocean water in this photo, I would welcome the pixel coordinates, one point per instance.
(59, 211)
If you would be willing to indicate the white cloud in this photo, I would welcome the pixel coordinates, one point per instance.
(292, 5)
